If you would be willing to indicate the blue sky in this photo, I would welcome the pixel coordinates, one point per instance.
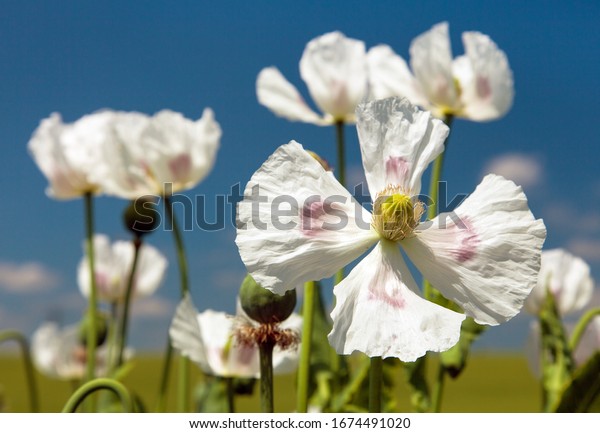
(76, 57)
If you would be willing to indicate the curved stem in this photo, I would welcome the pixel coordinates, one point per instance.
(164, 381)
(29, 373)
(438, 389)
(95, 385)
(266, 376)
(581, 327)
(308, 314)
(375, 384)
(137, 244)
(92, 301)
(184, 364)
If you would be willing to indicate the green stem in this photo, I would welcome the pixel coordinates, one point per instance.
(96, 385)
(266, 376)
(92, 301)
(341, 174)
(432, 210)
(137, 244)
(230, 394)
(29, 373)
(308, 314)
(581, 327)
(184, 364)
(438, 389)
(375, 384)
(161, 404)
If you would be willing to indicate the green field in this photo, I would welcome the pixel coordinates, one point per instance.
(491, 383)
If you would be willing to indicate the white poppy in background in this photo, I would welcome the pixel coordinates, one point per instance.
(334, 69)
(149, 152)
(567, 278)
(58, 353)
(113, 266)
(484, 256)
(67, 153)
(477, 85)
(207, 339)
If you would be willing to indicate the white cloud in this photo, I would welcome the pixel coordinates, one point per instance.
(524, 170)
(29, 277)
(587, 249)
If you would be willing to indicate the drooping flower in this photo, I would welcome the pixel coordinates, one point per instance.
(484, 256)
(208, 339)
(568, 280)
(59, 353)
(112, 268)
(334, 69)
(67, 153)
(157, 155)
(477, 85)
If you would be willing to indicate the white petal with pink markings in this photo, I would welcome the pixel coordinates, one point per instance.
(379, 312)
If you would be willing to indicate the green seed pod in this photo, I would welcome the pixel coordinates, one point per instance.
(141, 216)
(263, 305)
(101, 328)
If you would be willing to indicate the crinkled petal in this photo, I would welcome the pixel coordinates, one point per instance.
(334, 68)
(297, 223)
(568, 279)
(485, 78)
(389, 76)
(186, 335)
(485, 255)
(282, 98)
(431, 63)
(378, 311)
(397, 142)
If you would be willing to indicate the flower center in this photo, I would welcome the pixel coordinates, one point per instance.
(395, 214)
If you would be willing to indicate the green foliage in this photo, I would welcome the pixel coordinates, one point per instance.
(455, 359)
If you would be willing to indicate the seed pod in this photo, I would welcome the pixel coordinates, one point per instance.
(263, 305)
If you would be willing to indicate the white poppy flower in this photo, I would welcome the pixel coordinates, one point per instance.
(477, 85)
(67, 153)
(207, 339)
(484, 256)
(149, 152)
(567, 278)
(58, 353)
(113, 266)
(334, 69)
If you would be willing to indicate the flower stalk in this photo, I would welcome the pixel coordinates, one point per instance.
(184, 364)
(266, 376)
(20, 339)
(375, 384)
(96, 385)
(92, 302)
(308, 314)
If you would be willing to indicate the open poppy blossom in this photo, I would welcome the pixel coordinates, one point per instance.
(334, 69)
(297, 223)
(208, 339)
(477, 85)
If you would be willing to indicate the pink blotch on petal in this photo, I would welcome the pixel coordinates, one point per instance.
(484, 90)
(467, 241)
(397, 170)
(245, 354)
(312, 217)
(180, 167)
